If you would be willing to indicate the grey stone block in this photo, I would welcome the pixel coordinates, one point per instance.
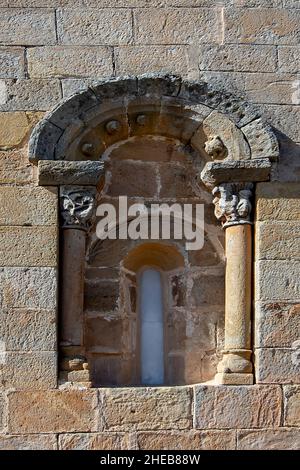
(236, 171)
(26, 26)
(70, 173)
(28, 287)
(29, 95)
(94, 26)
(12, 62)
(43, 141)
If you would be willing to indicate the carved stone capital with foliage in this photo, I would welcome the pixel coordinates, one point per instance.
(233, 203)
(77, 206)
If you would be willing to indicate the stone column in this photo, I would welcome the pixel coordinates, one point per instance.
(233, 208)
(77, 210)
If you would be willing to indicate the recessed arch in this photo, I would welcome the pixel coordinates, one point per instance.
(235, 145)
(83, 126)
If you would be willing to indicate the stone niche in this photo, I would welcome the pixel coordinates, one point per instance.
(154, 170)
(154, 139)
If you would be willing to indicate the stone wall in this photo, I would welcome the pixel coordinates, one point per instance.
(48, 51)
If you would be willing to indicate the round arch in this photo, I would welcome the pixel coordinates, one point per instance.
(82, 127)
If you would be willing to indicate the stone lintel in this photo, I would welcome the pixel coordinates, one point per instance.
(216, 172)
(55, 173)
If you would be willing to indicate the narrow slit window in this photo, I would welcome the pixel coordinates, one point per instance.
(152, 328)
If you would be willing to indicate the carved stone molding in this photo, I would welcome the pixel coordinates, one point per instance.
(233, 203)
(231, 171)
(77, 206)
(56, 173)
(156, 104)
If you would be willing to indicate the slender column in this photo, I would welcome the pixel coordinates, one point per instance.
(73, 254)
(77, 210)
(233, 208)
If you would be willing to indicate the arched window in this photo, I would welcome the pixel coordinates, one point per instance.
(151, 327)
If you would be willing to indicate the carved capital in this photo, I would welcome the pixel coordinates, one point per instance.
(77, 206)
(233, 203)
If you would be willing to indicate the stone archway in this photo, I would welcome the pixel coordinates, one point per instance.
(237, 149)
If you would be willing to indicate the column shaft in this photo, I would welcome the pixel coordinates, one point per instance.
(236, 366)
(72, 285)
(238, 287)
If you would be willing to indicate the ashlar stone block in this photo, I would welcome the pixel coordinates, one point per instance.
(225, 407)
(61, 411)
(145, 408)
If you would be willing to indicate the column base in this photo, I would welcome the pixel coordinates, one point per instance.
(235, 378)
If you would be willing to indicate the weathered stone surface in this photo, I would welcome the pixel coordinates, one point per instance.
(28, 371)
(236, 171)
(15, 126)
(59, 61)
(260, 27)
(144, 183)
(201, 289)
(289, 60)
(29, 95)
(43, 141)
(276, 324)
(272, 88)
(259, 3)
(145, 408)
(277, 366)
(12, 62)
(70, 86)
(28, 246)
(237, 407)
(234, 378)
(115, 88)
(69, 173)
(27, 27)
(277, 280)
(52, 411)
(32, 442)
(73, 241)
(277, 201)
(2, 404)
(291, 405)
(95, 26)
(14, 169)
(188, 440)
(141, 59)
(220, 125)
(159, 84)
(261, 139)
(291, 3)
(28, 330)
(177, 26)
(112, 330)
(241, 57)
(288, 166)
(78, 376)
(269, 439)
(121, 3)
(67, 112)
(28, 287)
(174, 181)
(284, 118)
(29, 205)
(95, 441)
(277, 240)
